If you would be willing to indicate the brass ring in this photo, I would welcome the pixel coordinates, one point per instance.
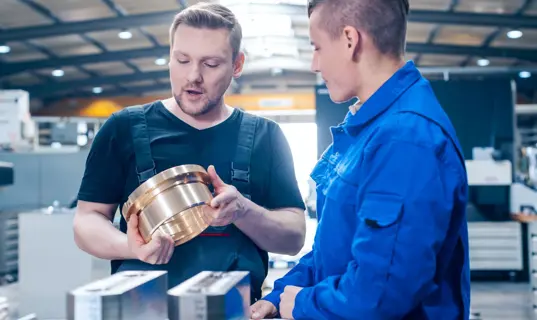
(174, 202)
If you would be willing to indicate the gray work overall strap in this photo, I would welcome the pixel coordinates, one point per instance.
(240, 166)
(145, 166)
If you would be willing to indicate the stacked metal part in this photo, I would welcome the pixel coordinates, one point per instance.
(9, 231)
(211, 296)
(9, 246)
(130, 295)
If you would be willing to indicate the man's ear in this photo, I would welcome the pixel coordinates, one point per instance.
(238, 65)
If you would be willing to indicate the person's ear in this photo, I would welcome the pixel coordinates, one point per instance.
(351, 38)
(238, 65)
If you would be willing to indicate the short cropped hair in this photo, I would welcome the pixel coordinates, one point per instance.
(384, 20)
(212, 16)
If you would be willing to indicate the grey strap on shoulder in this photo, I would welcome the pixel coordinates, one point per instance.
(145, 166)
(240, 167)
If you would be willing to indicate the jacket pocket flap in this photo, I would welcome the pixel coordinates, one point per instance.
(381, 210)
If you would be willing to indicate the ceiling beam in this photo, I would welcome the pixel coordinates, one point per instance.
(448, 73)
(60, 29)
(473, 19)
(521, 83)
(45, 90)
(298, 13)
(13, 68)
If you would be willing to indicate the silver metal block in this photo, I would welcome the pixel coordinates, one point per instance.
(129, 295)
(211, 296)
(4, 309)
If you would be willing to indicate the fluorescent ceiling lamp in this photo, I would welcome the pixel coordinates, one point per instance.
(483, 62)
(514, 34)
(58, 73)
(160, 61)
(4, 49)
(125, 35)
(524, 74)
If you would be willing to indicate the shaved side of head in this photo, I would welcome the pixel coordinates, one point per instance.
(384, 20)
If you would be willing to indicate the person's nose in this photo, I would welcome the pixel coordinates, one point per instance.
(194, 75)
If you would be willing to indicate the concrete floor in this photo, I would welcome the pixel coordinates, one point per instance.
(492, 301)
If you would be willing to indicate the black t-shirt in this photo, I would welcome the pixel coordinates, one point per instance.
(110, 174)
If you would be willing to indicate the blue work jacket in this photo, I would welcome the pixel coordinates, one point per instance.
(392, 238)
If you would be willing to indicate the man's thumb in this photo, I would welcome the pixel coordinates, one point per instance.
(215, 179)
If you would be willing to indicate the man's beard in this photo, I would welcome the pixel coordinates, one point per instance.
(210, 105)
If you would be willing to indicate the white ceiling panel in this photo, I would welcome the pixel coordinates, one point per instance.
(462, 35)
(112, 42)
(440, 60)
(104, 88)
(77, 10)
(161, 33)
(418, 32)
(528, 40)
(135, 7)
(109, 68)
(494, 62)
(532, 9)
(165, 92)
(21, 52)
(141, 83)
(410, 56)
(148, 64)
(15, 14)
(23, 79)
(430, 4)
(69, 45)
(489, 6)
(70, 73)
(302, 32)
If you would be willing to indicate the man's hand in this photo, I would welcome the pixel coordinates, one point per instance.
(263, 309)
(228, 202)
(158, 251)
(287, 301)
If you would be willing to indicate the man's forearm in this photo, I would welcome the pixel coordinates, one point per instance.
(97, 236)
(279, 231)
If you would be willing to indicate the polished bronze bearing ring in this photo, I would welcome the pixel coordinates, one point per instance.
(174, 201)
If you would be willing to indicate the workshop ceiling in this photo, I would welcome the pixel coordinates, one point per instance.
(61, 48)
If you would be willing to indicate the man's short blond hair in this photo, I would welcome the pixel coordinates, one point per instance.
(211, 16)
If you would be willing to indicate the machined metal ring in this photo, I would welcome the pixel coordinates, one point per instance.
(174, 202)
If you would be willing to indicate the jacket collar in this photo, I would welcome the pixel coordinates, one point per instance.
(384, 97)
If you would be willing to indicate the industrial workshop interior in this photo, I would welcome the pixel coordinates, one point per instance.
(133, 185)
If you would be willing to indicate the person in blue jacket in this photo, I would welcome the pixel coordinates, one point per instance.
(392, 238)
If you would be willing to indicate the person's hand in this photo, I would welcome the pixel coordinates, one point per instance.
(263, 309)
(157, 251)
(228, 203)
(287, 301)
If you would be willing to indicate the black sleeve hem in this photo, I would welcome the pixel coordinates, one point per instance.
(96, 198)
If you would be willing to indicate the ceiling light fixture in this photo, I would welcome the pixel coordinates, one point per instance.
(97, 90)
(125, 35)
(524, 74)
(4, 49)
(58, 73)
(514, 34)
(160, 61)
(483, 62)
